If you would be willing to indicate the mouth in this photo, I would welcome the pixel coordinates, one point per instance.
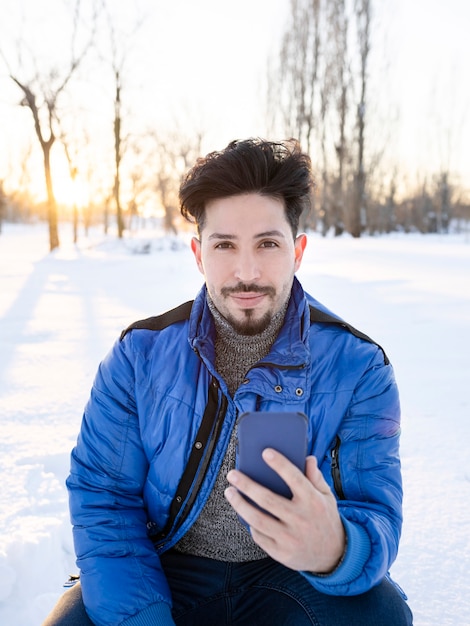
(248, 300)
(248, 296)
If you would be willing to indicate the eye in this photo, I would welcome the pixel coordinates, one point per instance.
(269, 244)
(224, 245)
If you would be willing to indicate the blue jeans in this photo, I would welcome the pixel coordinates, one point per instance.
(258, 593)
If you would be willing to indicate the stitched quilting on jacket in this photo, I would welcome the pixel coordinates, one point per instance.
(140, 425)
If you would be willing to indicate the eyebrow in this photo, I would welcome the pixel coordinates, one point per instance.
(267, 233)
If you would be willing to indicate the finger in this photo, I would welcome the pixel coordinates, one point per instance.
(254, 517)
(263, 527)
(315, 475)
(290, 473)
(263, 497)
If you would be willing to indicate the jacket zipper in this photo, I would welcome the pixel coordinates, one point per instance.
(300, 366)
(163, 537)
(205, 465)
(335, 470)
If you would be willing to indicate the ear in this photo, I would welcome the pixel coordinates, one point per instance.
(196, 248)
(299, 247)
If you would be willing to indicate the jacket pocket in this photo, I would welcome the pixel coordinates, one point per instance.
(336, 469)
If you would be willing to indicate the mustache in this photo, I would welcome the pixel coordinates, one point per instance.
(248, 288)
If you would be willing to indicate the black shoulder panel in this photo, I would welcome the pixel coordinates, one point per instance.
(159, 322)
(320, 316)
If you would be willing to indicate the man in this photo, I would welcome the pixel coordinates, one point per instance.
(154, 494)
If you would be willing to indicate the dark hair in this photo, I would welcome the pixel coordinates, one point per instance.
(279, 170)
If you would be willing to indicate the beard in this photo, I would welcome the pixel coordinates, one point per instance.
(249, 325)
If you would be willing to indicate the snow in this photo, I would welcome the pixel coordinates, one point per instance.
(60, 313)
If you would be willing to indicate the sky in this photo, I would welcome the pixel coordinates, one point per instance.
(60, 313)
(203, 65)
(430, 80)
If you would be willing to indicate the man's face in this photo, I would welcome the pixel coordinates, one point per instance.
(248, 257)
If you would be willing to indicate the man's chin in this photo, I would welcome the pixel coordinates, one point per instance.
(248, 325)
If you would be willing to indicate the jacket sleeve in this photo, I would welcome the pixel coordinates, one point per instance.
(370, 482)
(121, 575)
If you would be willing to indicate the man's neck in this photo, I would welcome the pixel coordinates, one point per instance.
(235, 353)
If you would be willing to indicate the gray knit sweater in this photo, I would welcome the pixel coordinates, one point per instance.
(218, 533)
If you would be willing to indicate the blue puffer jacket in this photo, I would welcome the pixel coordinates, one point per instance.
(140, 424)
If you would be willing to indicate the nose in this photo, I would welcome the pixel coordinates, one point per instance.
(247, 267)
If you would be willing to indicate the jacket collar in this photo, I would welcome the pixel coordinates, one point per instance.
(290, 348)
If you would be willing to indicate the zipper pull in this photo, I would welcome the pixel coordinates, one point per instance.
(334, 458)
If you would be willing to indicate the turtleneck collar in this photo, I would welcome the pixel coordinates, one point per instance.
(235, 354)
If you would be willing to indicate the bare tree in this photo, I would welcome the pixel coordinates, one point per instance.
(174, 154)
(19, 202)
(46, 137)
(313, 95)
(141, 189)
(299, 71)
(41, 95)
(339, 69)
(362, 10)
(323, 70)
(73, 171)
(449, 113)
(120, 50)
(118, 145)
(3, 204)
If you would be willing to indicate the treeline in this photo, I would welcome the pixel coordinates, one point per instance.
(434, 208)
(319, 90)
(322, 90)
(429, 210)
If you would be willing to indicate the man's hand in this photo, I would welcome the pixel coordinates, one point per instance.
(308, 534)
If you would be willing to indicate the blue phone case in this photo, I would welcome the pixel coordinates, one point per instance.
(286, 432)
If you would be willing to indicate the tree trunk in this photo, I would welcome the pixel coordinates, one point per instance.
(51, 201)
(3, 205)
(75, 223)
(117, 155)
(358, 205)
(359, 212)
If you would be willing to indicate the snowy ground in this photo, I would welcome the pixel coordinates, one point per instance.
(59, 314)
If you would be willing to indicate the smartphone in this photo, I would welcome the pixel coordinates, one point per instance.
(286, 432)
